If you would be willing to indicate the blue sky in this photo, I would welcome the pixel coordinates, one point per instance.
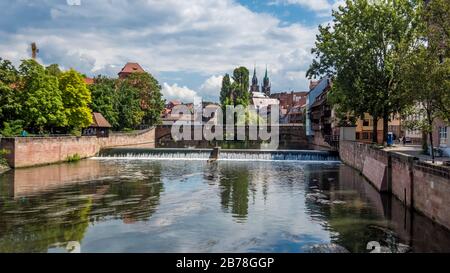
(187, 45)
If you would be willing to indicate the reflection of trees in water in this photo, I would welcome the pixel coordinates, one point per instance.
(36, 223)
(352, 221)
(234, 190)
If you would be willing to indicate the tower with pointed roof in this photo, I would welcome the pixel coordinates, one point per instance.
(266, 84)
(254, 87)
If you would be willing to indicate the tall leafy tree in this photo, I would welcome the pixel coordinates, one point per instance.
(225, 91)
(76, 99)
(105, 99)
(151, 101)
(437, 34)
(42, 105)
(54, 70)
(426, 73)
(240, 86)
(363, 51)
(9, 103)
(129, 106)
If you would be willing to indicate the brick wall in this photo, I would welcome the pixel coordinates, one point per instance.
(432, 192)
(33, 151)
(356, 154)
(423, 186)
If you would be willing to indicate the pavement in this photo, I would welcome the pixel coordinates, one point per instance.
(416, 151)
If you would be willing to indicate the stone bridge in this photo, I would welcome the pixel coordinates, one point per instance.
(291, 136)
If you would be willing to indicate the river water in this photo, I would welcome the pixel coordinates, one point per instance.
(135, 205)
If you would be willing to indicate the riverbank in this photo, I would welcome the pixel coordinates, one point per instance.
(36, 151)
(422, 186)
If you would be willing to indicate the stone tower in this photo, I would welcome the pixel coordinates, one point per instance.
(266, 85)
(254, 87)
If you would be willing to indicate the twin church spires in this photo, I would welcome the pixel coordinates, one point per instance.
(266, 84)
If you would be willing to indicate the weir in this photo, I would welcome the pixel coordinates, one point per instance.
(226, 154)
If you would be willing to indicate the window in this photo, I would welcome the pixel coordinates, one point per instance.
(365, 135)
(443, 135)
(366, 122)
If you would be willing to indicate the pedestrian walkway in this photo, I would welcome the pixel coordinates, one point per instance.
(416, 151)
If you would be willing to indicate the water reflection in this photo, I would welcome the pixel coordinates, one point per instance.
(52, 205)
(234, 193)
(185, 206)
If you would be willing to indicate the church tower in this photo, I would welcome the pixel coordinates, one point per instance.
(255, 86)
(267, 86)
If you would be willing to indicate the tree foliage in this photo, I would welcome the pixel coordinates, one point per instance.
(151, 101)
(76, 98)
(225, 91)
(105, 99)
(9, 104)
(42, 104)
(236, 92)
(426, 73)
(240, 86)
(362, 51)
(129, 106)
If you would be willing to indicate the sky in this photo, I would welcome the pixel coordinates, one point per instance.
(188, 45)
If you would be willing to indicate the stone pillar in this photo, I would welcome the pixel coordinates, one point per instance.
(214, 154)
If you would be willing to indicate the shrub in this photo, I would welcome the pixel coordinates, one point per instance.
(3, 161)
(73, 158)
(13, 128)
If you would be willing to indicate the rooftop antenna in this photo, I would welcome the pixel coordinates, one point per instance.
(34, 50)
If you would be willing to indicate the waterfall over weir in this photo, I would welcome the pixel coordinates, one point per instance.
(205, 154)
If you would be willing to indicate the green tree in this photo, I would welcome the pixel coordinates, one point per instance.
(76, 98)
(53, 70)
(363, 52)
(130, 111)
(225, 91)
(42, 105)
(9, 100)
(105, 99)
(437, 34)
(426, 73)
(241, 86)
(151, 101)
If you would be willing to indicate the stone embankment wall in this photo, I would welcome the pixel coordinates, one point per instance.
(419, 185)
(34, 151)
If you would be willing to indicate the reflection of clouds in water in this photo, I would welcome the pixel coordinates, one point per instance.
(188, 203)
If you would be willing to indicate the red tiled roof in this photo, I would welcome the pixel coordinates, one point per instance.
(132, 68)
(98, 120)
(88, 81)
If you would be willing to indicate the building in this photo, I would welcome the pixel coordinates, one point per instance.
(364, 128)
(266, 88)
(296, 115)
(318, 89)
(292, 106)
(263, 103)
(130, 68)
(321, 119)
(290, 99)
(100, 126)
(88, 81)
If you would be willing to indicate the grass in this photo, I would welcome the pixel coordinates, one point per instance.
(73, 158)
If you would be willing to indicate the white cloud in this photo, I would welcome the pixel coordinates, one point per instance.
(199, 37)
(210, 89)
(315, 5)
(175, 92)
